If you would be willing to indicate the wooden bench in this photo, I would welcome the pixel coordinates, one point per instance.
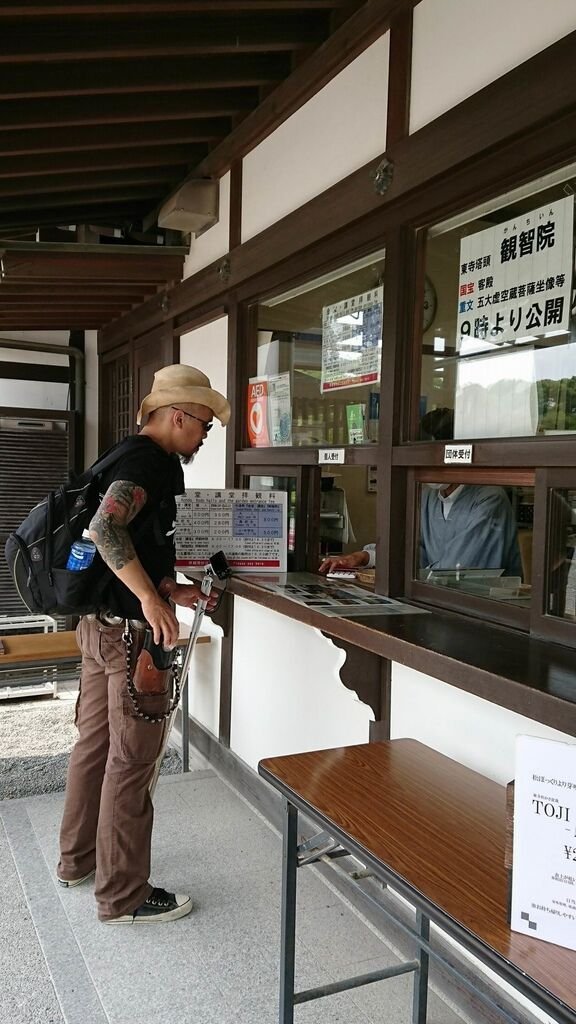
(46, 651)
(435, 832)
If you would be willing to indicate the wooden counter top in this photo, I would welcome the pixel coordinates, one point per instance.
(535, 678)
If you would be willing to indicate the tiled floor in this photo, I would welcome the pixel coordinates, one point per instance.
(217, 966)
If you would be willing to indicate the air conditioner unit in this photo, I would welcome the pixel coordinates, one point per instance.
(193, 208)
(22, 423)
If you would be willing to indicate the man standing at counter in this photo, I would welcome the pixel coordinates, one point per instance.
(108, 813)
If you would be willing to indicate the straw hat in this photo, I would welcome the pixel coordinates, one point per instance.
(180, 383)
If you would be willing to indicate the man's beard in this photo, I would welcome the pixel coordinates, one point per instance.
(187, 459)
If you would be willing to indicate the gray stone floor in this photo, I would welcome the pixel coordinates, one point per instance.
(217, 966)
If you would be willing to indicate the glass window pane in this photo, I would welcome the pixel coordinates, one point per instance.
(560, 556)
(477, 539)
(347, 509)
(499, 337)
(280, 483)
(318, 361)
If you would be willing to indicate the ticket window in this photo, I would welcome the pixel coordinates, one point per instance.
(499, 333)
(329, 512)
(318, 357)
(476, 539)
(347, 508)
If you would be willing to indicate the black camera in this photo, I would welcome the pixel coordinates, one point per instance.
(220, 566)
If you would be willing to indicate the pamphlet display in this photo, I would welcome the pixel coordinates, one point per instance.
(333, 597)
(544, 851)
(352, 341)
(250, 527)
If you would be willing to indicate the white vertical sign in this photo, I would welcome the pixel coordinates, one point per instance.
(544, 857)
(516, 278)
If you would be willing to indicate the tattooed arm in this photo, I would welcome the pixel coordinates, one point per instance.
(109, 531)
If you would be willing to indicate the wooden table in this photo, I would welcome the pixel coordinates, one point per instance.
(435, 831)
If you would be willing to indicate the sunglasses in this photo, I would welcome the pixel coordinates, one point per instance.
(207, 426)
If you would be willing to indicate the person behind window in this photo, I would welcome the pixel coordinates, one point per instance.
(462, 526)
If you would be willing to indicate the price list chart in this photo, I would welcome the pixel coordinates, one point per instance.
(250, 527)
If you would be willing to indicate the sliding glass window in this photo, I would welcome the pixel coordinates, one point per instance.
(319, 349)
(499, 338)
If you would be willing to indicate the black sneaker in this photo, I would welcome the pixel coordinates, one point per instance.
(160, 906)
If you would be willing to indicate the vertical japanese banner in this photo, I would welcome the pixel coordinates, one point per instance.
(544, 853)
(352, 341)
(516, 278)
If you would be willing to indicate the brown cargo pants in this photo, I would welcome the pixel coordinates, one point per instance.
(108, 813)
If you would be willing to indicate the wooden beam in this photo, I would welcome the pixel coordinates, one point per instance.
(76, 110)
(26, 265)
(63, 200)
(399, 76)
(127, 293)
(95, 183)
(96, 137)
(138, 76)
(34, 371)
(71, 163)
(129, 8)
(195, 36)
(362, 29)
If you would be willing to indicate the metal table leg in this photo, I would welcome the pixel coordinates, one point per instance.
(288, 934)
(420, 992)
(184, 704)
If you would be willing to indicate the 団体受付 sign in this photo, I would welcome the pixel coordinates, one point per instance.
(515, 278)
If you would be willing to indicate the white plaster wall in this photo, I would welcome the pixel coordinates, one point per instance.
(334, 133)
(469, 729)
(459, 46)
(31, 394)
(204, 674)
(287, 695)
(214, 242)
(207, 348)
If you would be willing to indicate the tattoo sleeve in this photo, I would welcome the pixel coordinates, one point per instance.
(121, 503)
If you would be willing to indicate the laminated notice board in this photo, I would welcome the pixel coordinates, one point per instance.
(250, 527)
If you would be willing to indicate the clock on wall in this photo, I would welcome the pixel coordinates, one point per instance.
(430, 304)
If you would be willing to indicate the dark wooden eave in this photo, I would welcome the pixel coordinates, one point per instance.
(107, 107)
(79, 287)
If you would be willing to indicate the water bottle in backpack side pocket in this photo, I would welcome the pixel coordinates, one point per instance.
(81, 553)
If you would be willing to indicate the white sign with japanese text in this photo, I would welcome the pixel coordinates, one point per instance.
(461, 453)
(515, 278)
(331, 456)
(544, 856)
(352, 341)
(250, 527)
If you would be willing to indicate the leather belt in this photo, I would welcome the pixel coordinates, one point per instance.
(107, 619)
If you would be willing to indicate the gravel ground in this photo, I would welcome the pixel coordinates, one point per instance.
(36, 736)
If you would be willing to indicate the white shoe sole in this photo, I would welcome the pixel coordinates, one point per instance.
(76, 881)
(169, 915)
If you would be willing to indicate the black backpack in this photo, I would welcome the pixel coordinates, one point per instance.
(37, 551)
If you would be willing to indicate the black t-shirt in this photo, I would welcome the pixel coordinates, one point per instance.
(152, 531)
